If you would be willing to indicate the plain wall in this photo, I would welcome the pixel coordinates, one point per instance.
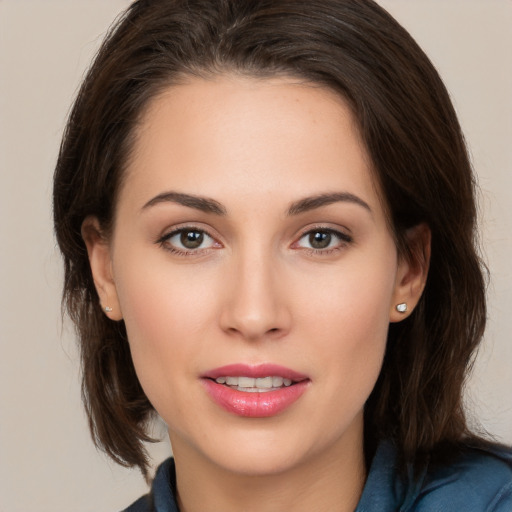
(47, 460)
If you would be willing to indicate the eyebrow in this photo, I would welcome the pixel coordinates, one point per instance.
(208, 205)
(313, 202)
(203, 204)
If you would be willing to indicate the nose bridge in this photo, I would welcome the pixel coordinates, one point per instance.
(255, 308)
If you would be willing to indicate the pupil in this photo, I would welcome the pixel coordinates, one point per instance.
(191, 239)
(320, 240)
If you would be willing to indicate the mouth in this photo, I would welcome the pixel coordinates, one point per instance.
(255, 391)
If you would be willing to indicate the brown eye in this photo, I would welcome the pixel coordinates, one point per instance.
(320, 239)
(191, 239)
(188, 240)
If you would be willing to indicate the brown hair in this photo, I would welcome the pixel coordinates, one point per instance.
(413, 137)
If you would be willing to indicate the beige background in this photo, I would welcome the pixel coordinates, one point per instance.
(47, 462)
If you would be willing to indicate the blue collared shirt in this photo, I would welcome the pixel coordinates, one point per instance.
(479, 481)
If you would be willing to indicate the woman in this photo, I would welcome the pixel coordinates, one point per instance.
(267, 217)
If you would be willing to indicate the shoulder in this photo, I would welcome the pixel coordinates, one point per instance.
(143, 504)
(161, 497)
(478, 481)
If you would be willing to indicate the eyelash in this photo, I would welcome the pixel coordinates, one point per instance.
(343, 240)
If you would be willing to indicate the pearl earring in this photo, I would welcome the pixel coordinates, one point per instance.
(402, 307)
(108, 309)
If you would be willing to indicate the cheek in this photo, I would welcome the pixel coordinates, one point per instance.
(349, 333)
(355, 341)
(352, 296)
(166, 313)
(347, 315)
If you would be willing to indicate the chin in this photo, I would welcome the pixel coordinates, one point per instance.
(251, 451)
(260, 462)
(269, 451)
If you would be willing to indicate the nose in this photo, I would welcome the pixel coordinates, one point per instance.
(255, 305)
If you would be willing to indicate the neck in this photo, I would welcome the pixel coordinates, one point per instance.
(326, 482)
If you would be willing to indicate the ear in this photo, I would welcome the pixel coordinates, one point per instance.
(100, 261)
(412, 272)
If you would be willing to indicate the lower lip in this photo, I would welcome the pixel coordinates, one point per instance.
(255, 405)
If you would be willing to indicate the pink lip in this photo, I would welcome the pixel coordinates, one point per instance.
(260, 370)
(254, 405)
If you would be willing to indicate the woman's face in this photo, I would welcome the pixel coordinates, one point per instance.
(250, 250)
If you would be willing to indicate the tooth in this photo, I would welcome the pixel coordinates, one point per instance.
(254, 385)
(246, 382)
(265, 382)
(277, 382)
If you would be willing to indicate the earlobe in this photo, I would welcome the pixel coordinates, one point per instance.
(412, 273)
(98, 250)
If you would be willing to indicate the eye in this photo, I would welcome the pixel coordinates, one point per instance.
(323, 240)
(187, 240)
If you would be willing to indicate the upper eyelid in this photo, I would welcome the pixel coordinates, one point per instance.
(186, 227)
(343, 231)
(324, 228)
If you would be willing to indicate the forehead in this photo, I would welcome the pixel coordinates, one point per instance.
(235, 136)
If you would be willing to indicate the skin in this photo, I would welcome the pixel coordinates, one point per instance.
(256, 290)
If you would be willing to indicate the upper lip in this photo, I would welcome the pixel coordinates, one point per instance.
(255, 371)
